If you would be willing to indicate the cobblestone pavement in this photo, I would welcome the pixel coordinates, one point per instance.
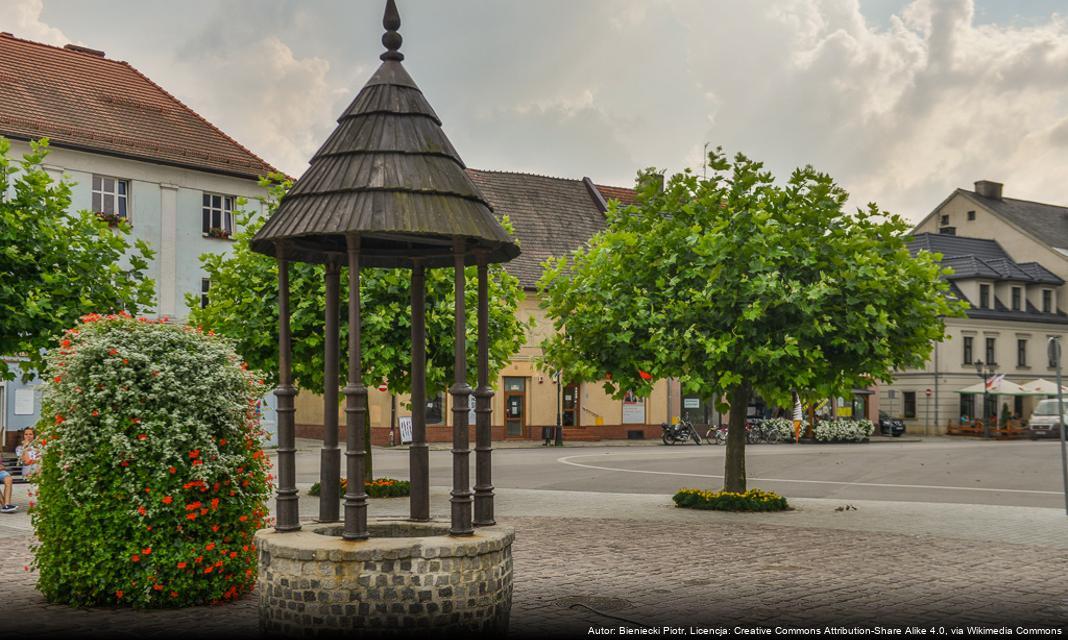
(710, 573)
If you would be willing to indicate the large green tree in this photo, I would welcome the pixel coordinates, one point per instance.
(56, 264)
(735, 284)
(243, 305)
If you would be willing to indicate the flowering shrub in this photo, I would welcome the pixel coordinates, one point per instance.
(752, 500)
(844, 430)
(379, 488)
(152, 481)
(783, 427)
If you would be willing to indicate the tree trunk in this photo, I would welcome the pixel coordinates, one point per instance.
(734, 464)
(368, 465)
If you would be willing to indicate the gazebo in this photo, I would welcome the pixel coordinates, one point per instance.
(387, 190)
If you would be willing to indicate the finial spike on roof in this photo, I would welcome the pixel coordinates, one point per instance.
(391, 39)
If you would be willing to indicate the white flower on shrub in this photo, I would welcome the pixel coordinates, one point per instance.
(839, 430)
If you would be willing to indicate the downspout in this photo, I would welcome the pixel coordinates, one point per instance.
(936, 396)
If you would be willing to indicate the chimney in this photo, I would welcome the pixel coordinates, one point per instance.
(989, 189)
(80, 49)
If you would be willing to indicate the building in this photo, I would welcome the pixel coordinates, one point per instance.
(131, 150)
(1010, 263)
(551, 217)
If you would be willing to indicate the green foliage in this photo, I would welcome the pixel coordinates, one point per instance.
(57, 265)
(243, 305)
(378, 488)
(751, 500)
(734, 280)
(153, 481)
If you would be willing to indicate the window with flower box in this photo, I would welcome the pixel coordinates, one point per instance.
(218, 218)
(111, 198)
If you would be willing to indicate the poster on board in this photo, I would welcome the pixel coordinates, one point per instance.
(633, 409)
(24, 404)
(405, 425)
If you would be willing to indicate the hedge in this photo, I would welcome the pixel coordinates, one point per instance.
(751, 500)
(153, 480)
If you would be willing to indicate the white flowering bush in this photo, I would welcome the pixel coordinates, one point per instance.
(153, 479)
(843, 430)
(782, 427)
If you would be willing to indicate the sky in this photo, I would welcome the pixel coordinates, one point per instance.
(901, 101)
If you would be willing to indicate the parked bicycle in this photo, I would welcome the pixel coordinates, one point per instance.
(757, 431)
(683, 431)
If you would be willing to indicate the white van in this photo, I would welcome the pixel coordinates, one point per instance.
(1044, 423)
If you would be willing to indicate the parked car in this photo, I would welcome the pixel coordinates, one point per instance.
(890, 426)
(1043, 422)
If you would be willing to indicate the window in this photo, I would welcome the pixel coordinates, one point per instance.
(910, 404)
(205, 284)
(1051, 355)
(971, 216)
(218, 215)
(1017, 296)
(967, 407)
(1047, 301)
(984, 296)
(945, 219)
(968, 343)
(111, 196)
(1021, 352)
(435, 413)
(948, 231)
(991, 351)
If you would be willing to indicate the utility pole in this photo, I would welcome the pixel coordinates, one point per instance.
(559, 410)
(1055, 347)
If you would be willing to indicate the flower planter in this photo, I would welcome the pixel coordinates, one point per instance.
(407, 576)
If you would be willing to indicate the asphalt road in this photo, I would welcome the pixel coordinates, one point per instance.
(1019, 473)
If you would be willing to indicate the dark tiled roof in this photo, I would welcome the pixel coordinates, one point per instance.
(953, 246)
(83, 100)
(551, 216)
(1045, 221)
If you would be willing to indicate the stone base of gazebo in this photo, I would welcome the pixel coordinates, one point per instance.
(406, 577)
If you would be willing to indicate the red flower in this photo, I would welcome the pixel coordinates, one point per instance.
(135, 420)
(192, 506)
(135, 558)
(141, 510)
(157, 587)
(196, 462)
(147, 551)
(95, 413)
(181, 565)
(209, 546)
(174, 594)
(194, 454)
(209, 569)
(142, 436)
(64, 343)
(118, 594)
(191, 516)
(233, 554)
(243, 518)
(147, 490)
(172, 469)
(167, 499)
(214, 527)
(222, 442)
(113, 351)
(198, 560)
(125, 463)
(57, 379)
(214, 503)
(59, 419)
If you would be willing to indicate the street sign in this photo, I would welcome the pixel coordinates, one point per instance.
(927, 393)
(405, 424)
(383, 387)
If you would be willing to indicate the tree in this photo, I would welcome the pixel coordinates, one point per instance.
(57, 265)
(243, 305)
(737, 285)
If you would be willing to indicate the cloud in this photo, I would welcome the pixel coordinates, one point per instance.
(23, 19)
(279, 105)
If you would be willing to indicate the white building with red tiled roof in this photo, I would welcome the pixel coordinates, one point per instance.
(133, 150)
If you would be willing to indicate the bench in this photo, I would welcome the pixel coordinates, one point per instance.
(966, 429)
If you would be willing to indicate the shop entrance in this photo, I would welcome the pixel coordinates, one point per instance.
(515, 403)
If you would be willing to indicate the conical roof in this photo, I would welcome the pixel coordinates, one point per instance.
(389, 174)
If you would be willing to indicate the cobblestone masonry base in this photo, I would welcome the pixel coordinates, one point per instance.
(408, 576)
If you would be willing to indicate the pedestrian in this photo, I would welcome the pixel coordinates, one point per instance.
(28, 454)
(5, 477)
(547, 434)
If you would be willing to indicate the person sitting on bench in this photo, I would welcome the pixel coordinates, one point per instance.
(28, 454)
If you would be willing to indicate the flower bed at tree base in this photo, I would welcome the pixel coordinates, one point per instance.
(407, 577)
(379, 488)
(751, 500)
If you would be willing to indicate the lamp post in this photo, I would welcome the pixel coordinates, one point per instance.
(985, 371)
(1055, 355)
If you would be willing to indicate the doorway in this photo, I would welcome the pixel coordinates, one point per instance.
(515, 404)
(571, 406)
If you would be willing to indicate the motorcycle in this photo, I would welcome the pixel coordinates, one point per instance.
(683, 431)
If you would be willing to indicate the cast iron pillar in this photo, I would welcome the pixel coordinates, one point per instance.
(330, 456)
(461, 392)
(418, 452)
(355, 409)
(288, 517)
(483, 407)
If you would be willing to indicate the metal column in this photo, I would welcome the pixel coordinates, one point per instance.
(330, 455)
(483, 407)
(418, 452)
(355, 409)
(461, 500)
(288, 517)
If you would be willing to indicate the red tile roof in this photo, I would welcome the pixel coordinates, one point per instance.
(623, 194)
(82, 100)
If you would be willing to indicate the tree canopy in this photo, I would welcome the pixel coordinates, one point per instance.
(735, 284)
(243, 305)
(57, 265)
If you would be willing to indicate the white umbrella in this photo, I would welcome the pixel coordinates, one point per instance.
(1000, 388)
(1041, 387)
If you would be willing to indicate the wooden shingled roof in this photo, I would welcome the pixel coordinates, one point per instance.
(80, 99)
(389, 174)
